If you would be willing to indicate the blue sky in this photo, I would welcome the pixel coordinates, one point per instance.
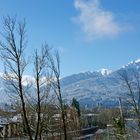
(90, 34)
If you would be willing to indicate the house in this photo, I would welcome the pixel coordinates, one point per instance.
(9, 127)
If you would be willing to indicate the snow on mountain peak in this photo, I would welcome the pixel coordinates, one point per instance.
(104, 72)
(132, 63)
(137, 61)
(27, 79)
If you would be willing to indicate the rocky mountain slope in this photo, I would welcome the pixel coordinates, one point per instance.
(98, 88)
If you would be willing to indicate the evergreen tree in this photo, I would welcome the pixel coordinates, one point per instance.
(76, 105)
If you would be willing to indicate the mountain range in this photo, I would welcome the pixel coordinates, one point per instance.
(102, 87)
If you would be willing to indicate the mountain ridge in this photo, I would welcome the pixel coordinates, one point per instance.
(89, 88)
(98, 88)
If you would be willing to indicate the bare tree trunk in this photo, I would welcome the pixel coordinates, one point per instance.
(121, 111)
(38, 108)
(24, 114)
(63, 112)
(38, 96)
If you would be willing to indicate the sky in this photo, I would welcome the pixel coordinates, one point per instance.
(89, 34)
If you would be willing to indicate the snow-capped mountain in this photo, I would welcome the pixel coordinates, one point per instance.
(102, 87)
(97, 88)
(105, 72)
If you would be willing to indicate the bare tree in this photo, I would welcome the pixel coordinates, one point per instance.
(131, 83)
(12, 53)
(46, 76)
(54, 64)
(42, 80)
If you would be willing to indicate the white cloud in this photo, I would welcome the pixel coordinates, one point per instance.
(95, 21)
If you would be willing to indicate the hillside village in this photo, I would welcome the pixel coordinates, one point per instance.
(11, 127)
(95, 124)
